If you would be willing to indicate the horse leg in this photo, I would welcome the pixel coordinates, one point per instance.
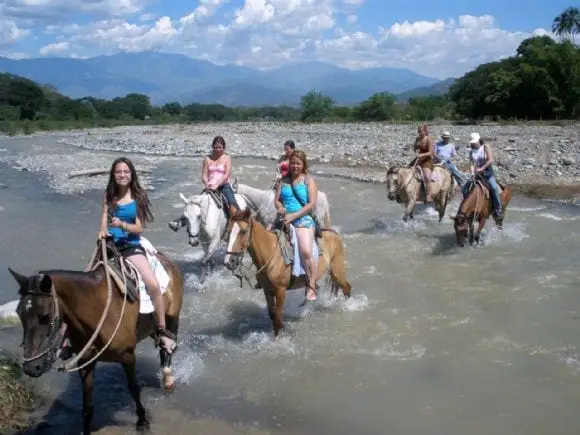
(409, 209)
(480, 225)
(135, 390)
(172, 325)
(87, 375)
(206, 261)
(270, 301)
(471, 233)
(279, 315)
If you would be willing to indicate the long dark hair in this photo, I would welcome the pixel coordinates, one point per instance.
(137, 192)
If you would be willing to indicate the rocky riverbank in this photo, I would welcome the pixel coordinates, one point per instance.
(540, 160)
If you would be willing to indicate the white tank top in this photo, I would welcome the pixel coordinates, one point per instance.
(479, 156)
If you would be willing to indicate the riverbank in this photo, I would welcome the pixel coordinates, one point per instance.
(16, 399)
(541, 161)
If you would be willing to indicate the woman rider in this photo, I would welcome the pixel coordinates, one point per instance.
(217, 171)
(284, 160)
(127, 204)
(296, 196)
(481, 159)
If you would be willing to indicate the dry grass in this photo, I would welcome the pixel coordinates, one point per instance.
(16, 397)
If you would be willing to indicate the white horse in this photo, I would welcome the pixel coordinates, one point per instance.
(206, 223)
(262, 202)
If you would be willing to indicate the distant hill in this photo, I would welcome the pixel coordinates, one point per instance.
(439, 88)
(173, 77)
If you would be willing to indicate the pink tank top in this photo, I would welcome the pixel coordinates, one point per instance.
(215, 172)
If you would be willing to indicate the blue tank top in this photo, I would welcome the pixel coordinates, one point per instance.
(288, 199)
(126, 213)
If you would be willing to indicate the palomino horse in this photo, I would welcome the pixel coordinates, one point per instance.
(404, 185)
(247, 234)
(101, 325)
(262, 202)
(206, 223)
(477, 205)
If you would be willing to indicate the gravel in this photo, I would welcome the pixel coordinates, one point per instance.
(525, 154)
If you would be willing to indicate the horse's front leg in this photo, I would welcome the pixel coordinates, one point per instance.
(270, 302)
(480, 225)
(87, 375)
(172, 325)
(207, 258)
(135, 390)
(279, 315)
(471, 233)
(409, 209)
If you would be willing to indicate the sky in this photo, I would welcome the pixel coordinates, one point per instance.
(436, 38)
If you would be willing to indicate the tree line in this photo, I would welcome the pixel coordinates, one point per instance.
(541, 81)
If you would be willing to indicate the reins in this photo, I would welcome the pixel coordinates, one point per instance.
(68, 366)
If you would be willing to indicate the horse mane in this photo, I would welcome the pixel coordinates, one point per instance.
(90, 277)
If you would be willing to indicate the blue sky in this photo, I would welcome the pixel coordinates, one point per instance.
(439, 39)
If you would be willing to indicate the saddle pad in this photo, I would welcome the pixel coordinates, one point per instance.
(297, 266)
(145, 304)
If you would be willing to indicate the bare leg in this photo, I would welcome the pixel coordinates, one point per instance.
(142, 265)
(305, 243)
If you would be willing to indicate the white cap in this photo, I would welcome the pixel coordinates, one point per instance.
(474, 138)
(446, 134)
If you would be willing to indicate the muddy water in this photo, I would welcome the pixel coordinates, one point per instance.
(436, 339)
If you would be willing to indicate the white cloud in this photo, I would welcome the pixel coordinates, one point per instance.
(10, 32)
(268, 33)
(56, 48)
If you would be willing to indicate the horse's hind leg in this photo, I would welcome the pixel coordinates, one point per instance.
(135, 390)
(87, 375)
(338, 274)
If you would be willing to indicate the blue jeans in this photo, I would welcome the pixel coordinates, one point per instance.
(494, 193)
(459, 177)
(228, 192)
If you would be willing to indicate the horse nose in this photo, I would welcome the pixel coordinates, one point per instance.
(32, 370)
(193, 241)
(391, 196)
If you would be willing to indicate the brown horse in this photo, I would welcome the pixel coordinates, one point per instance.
(248, 234)
(477, 205)
(56, 300)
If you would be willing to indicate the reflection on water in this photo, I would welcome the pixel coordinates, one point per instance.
(436, 339)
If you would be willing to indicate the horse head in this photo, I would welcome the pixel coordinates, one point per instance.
(392, 182)
(239, 229)
(39, 314)
(192, 217)
(461, 227)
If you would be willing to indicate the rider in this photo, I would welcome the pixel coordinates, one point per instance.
(425, 149)
(284, 160)
(481, 159)
(217, 171)
(296, 196)
(127, 204)
(444, 152)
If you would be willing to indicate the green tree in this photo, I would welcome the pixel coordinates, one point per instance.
(314, 106)
(567, 24)
(379, 107)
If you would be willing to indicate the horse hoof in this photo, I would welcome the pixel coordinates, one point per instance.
(143, 426)
(169, 388)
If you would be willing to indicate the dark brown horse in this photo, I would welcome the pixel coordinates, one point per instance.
(247, 234)
(54, 300)
(477, 206)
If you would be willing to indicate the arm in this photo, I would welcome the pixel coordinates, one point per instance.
(204, 172)
(489, 160)
(104, 217)
(136, 228)
(312, 198)
(277, 203)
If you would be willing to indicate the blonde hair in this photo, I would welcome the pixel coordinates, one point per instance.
(302, 156)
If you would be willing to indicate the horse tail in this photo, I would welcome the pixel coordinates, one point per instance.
(337, 265)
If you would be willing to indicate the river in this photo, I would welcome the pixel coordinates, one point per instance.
(436, 339)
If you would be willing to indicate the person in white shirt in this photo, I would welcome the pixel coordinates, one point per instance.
(481, 164)
(444, 152)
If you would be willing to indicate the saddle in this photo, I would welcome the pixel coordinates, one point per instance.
(220, 200)
(117, 264)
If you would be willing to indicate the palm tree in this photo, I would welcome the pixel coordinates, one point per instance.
(567, 24)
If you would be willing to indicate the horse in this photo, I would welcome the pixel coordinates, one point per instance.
(477, 205)
(91, 309)
(206, 223)
(262, 202)
(405, 185)
(247, 234)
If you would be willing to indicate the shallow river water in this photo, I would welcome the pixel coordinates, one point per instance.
(435, 340)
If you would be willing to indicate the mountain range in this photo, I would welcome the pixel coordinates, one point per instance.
(168, 77)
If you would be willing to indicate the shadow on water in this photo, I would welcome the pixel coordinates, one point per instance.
(110, 395)
(446, 243)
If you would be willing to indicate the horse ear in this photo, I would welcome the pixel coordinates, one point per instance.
(183, 198)
(45, 283)
(452, 217)
(20, 279)
(235, 184)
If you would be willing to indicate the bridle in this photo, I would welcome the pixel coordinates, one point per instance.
(54, 334)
